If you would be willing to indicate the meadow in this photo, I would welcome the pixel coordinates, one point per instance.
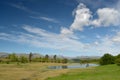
(39, 71)
(28, 71)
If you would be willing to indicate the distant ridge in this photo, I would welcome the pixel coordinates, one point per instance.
(5, 54)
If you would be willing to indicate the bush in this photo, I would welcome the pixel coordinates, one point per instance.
(23, 59)
(13, 57)
(118, 61)
(107, 59)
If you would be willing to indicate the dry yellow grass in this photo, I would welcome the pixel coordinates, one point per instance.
(29, 71)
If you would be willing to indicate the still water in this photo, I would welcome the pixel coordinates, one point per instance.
(72, 66)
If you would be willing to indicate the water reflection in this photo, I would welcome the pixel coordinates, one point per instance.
(64, 67)
(72, 66)
(87, 65)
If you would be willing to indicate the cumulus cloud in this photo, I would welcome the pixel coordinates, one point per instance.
(67, 33)
(82, 17)
(107, 17)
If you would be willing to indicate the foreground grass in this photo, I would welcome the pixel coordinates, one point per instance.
(38, 71)
(108, 72)
(28, 71)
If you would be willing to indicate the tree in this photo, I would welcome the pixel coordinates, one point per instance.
(13, 57)
(30, 57)
(107, 59)
(23, 59)
(117, 61)
(37, 59)
(65, 60)
(55, 57)
(118, 56)
(46, 58)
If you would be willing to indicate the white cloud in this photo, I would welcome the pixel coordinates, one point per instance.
(82, 17)
(67, 40)
(38, 37)
(65, 32)
(116, 38)
(49, 19)
(6, 36)
(22, 7)
(107, 17)
(50, 40)
(46, 19)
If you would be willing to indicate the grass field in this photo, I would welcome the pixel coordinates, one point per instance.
(38, 71)
(108, 72)
(28, 71)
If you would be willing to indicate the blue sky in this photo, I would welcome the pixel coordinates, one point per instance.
(62, 27)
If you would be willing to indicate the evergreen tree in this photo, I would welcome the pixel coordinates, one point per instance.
(30, 57)
(46, 58)
(55, 58)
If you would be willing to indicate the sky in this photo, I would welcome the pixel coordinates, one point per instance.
(62, 27)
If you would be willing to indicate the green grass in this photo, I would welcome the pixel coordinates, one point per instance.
(38, 71)
(108, 72)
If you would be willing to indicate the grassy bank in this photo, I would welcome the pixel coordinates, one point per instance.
(28, 71)
(38, 71)
(108, 72)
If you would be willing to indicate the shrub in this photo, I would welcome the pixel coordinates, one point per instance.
(23, 59)
(107, 59)
(13, 57)
(118, 61)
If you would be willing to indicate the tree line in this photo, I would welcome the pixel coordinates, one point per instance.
(23, 59)
(110, 59)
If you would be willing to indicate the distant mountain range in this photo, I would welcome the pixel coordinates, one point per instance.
(4, 54)
(88, 57)
(79, 58)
